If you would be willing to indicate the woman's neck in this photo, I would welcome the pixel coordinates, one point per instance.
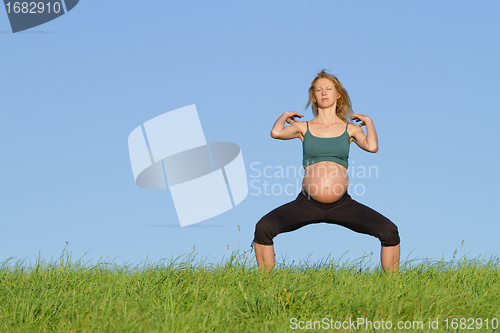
(328, 117)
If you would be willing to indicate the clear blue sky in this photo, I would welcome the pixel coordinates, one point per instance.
(73, 89)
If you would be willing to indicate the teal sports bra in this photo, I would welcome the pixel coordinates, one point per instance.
(316, 149)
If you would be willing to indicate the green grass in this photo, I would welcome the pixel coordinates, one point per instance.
(186, 295)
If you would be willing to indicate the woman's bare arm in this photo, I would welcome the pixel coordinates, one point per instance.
(368, 142)
(293, 131)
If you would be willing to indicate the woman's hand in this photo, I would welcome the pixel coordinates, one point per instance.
(291, 115)
(360, 117)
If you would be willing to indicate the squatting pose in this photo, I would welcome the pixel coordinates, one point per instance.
(324, 197)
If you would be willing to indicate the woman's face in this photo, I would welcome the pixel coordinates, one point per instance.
(325, 94)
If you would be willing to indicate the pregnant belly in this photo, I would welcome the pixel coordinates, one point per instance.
(326, 181)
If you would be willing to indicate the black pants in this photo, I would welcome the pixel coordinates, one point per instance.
(345, 212)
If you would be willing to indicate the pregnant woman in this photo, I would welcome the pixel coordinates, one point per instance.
(324, 197)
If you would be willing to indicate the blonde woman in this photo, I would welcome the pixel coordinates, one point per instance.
(324, 197)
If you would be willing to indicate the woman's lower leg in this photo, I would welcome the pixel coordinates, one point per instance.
(389, 258)
(265, 256)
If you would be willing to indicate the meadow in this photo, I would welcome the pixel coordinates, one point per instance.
(191, 295)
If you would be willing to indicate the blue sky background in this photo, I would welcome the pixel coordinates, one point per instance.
(73, 89)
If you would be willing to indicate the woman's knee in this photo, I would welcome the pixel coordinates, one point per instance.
(264, 232)
(389, 236)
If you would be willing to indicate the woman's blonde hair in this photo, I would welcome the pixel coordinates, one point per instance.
(344, 108)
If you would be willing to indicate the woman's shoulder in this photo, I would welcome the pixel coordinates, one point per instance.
(352, 126)
(302, 127)
(354, 131)
(302, 124)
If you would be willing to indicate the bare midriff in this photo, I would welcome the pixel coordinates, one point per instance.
(325, 181)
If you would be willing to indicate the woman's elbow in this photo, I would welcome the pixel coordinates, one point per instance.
(274, 134)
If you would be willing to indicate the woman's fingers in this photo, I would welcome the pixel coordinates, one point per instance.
(291, 119)
(359, 120)
(359, 117)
